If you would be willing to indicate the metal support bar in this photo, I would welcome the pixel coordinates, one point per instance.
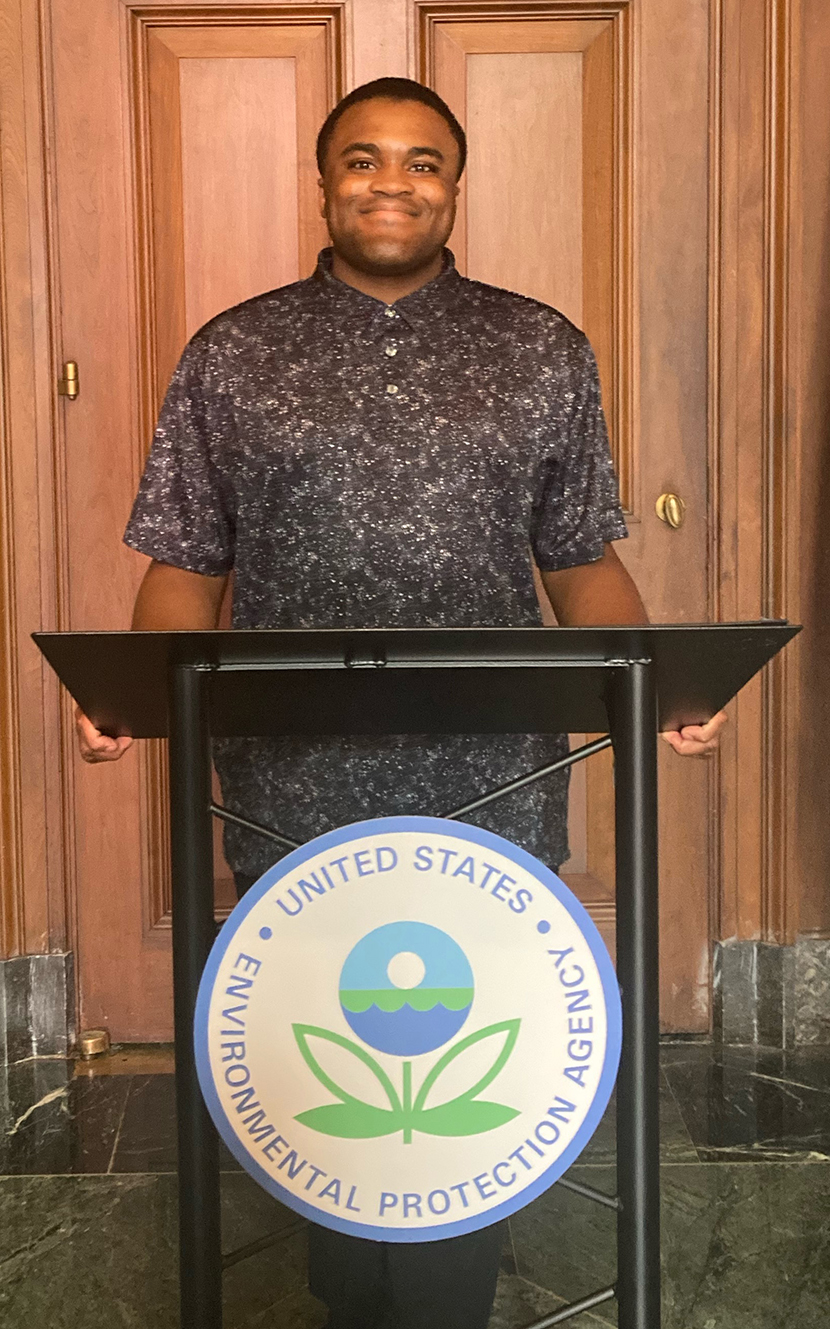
(578, 754)
(200, 1246)
(634, 730)
(255, 827)
(575, 1308)
(589, 1193)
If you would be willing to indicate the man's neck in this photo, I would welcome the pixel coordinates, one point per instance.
(388, 289)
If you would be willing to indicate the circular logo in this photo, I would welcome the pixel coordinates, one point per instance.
(407, 1029)
(406, 988)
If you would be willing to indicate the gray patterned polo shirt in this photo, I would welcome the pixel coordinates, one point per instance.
(359, 464)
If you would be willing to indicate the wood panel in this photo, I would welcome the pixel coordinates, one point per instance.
(146, 197)
(63, 505)
(597, 216)
(270, 86)
(226, 122)
(570, 78)
(770, 303)
(518, 105)
(239, 181)
(806, 529)
(94, 226)
(33, 862)
(380, 41)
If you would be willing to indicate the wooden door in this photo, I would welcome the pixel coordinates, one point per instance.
(185, 181)
(587, 187)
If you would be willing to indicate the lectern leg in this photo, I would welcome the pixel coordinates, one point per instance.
(634, 733)
(193, 932)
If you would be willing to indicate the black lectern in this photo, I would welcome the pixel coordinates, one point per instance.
(190, 686)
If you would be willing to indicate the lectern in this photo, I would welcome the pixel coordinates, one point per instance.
(190, 686)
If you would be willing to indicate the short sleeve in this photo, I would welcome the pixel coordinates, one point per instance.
(577, 509)
(183, 514)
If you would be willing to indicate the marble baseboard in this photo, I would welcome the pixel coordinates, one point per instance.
(773, 996)
(37, 1002)
(811, 997)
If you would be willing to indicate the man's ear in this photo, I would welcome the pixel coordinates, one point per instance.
(322, 188)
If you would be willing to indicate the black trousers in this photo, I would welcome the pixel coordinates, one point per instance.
(419, 1285)
(414, 1285)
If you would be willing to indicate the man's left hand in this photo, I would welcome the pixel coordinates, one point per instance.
(696, 740)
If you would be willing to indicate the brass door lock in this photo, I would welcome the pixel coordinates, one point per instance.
(671, 509)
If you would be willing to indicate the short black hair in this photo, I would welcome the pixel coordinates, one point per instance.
(395, 90)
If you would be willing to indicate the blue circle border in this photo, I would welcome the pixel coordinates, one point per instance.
(544, 875)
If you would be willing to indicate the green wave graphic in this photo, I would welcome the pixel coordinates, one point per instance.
(358, 1000)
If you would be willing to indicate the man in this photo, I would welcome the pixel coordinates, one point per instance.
(384, 444)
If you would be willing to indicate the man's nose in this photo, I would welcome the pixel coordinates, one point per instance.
(391, 179)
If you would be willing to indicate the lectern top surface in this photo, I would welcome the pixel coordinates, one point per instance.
(402, 680)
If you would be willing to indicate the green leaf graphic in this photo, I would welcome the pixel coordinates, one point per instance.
(351, 1121)
(464, 1116)
(302, 1033)
(508, 1027)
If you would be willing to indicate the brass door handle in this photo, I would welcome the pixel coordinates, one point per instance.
(671, 509)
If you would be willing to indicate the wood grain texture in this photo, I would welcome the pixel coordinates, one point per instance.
(224, 149)
(158, 174)
(606, 232)
(524, 111)
(67, 471)
(451, 49)
(239, 181)
(13, 209)
(380, 41)
(123, 979)
(807, 535)
(578, 231)
(144, 196)
(764, 468)
(35, 848)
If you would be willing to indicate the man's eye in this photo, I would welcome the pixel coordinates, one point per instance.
(425, 166)
(360, 162)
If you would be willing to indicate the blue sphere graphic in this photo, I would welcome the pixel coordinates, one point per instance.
(406, 988)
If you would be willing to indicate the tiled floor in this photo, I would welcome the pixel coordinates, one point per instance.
(88, 1227)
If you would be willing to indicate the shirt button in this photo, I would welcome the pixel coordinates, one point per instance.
(391, 388)
(391, 350)
(389, 311)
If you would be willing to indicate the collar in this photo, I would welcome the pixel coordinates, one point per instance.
(426, 304)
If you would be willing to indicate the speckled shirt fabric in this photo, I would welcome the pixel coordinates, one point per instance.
(365, 465)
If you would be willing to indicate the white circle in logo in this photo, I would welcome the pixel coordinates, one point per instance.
(407, 1029)
(406, 969)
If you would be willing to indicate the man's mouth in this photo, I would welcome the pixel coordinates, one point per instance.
(401, 209)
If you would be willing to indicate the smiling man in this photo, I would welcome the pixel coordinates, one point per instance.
(383, 445)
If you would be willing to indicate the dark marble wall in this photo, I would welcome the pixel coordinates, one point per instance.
(776, 996)
(36, 1007)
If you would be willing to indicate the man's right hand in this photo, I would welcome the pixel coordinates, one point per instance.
(96, 746)
(169, 600)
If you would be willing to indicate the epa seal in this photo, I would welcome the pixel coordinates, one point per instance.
(407, 1029)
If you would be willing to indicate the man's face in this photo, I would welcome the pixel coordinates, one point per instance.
(389, 186)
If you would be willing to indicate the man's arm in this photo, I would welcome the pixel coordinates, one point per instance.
(602, 594)
(169, 600)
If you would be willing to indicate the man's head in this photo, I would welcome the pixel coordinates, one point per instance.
(390, 155)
